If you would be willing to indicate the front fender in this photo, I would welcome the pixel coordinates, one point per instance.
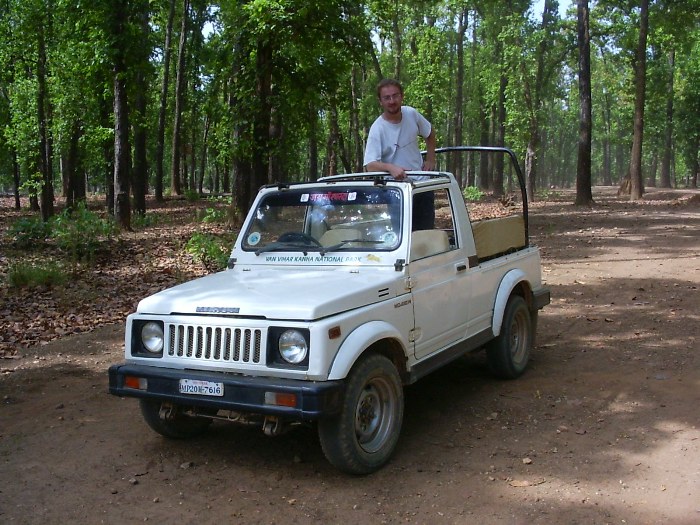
(505, 288)
(357, 342)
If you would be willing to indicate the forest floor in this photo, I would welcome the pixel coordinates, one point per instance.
(604, 426)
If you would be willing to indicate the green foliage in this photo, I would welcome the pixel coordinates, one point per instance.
(214, 215)
(192, 195)
(142, 221)
(472, 194)
(28, 231)
(30, 275)
(546, 194)
(209, 250)
(80, 233)
(256, 87)
(32, 186)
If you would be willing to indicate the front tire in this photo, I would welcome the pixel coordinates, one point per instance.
(361, 439)
(176, 425)
(509, 353)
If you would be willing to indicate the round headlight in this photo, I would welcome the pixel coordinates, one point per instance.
(152, 337)
(292, 346)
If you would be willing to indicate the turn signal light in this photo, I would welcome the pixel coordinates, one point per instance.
(137, 383)
(281, 399)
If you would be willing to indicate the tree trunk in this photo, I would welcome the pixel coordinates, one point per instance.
(163, 106)
(665, 181)
(73, 176)
(45, 146)
(203, 153)
(635, 171)
(533, 99)
(458, 127)
(313, 142)
(180, 82)
(106, 107)
(358, 152)
(331, 167)
(140, 185)
(261, 126)
(485, 182)
(15, 179)
(584, 195)
(397, 44)
(500, 128)
(122, 150)
(694, 169)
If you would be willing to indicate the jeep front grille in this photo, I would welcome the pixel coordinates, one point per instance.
(215, 343)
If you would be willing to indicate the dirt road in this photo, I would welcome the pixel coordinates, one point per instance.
(603, 428)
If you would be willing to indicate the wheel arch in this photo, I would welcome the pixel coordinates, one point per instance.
(374, 337)
(513, 283)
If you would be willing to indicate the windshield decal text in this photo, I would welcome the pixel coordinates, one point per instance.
(313, 258)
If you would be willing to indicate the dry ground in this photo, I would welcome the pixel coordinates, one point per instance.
(603, 428)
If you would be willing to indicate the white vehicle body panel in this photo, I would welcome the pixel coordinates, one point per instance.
(346, 300)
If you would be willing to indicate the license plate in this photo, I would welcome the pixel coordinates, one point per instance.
(201, 388)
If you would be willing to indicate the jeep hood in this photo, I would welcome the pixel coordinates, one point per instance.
(277, 293)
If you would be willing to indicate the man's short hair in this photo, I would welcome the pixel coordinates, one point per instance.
(388, 82)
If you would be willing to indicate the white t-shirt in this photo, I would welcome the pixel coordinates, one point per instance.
(398, 143)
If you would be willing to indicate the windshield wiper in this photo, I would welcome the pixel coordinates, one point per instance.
(339, 245)
(283, 246)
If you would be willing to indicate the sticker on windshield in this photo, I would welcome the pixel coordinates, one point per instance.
(253, 238)
(330, 197)
(304, 197)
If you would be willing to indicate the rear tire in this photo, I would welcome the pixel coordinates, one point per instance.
(361, 439)
(177, 425)
(509, 352)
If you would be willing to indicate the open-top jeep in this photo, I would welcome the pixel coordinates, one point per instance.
(337, 293)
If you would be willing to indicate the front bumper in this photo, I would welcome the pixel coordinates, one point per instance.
(542, 298)
(241, 393)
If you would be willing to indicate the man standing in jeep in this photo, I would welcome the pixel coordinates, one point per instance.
(392, 143)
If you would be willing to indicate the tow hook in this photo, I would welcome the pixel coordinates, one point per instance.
(272, 426)
(166, 412)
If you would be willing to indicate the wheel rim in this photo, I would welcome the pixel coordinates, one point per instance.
(375, 414)
(518, 337)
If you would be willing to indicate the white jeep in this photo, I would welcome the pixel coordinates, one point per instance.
(337, 293)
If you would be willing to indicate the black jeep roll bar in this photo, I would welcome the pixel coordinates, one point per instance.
(516, 165)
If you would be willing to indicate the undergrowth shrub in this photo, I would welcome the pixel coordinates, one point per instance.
(472, 194)
(210, 250)
(30, 275)
(80, 232)
(192, 195)
(214, 215)
(144, 220)
(27, 231)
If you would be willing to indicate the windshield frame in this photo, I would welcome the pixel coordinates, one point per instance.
(323, 219)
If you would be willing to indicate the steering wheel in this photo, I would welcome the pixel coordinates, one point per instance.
(299, 237)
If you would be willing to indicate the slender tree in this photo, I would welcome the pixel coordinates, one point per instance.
(584, 195)
(180, 84)
(163, 102)
(43, 112)
(122, 147)
(636, 180)
(139, 120)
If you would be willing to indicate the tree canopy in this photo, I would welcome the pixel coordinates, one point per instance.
(134, 97)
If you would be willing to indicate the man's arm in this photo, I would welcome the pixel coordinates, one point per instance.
(395, 171)
(430, 141)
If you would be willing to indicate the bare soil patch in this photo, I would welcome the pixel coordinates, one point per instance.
(603, 427)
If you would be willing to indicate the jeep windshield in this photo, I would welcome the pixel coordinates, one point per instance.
(307, 219)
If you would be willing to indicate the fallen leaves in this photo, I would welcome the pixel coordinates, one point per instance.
(126, 270)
